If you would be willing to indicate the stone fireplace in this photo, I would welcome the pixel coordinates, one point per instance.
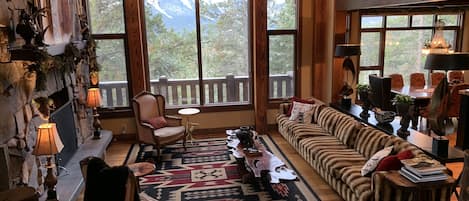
(24, 109)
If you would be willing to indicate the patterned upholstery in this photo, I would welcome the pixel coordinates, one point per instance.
(417, 80)
(337, 147)
(436, 77)
(396, 81)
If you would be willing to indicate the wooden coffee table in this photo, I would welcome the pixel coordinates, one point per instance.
(258, 164)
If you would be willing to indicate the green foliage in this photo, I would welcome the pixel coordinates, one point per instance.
(363, 87)
(399, 98)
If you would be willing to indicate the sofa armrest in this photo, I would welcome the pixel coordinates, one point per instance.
(284, 107)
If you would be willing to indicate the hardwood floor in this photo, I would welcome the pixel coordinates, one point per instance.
(117, 152)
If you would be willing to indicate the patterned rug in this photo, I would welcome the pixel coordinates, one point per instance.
(207, 171)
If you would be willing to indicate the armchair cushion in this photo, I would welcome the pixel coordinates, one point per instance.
(157, 122)
(169, 134)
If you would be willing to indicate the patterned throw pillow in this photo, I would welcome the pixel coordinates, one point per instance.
(373, 162)
(157, 122)
(298, 108)
(296, 99)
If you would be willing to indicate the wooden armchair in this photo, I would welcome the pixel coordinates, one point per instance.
(148, 106)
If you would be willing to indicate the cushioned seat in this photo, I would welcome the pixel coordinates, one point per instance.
(309, 147)
(352, 177)
(335, 160)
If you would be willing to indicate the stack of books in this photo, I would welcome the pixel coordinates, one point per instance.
(420, 170)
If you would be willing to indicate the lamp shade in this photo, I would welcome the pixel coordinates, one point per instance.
(342, 50)
(48, 141)
(447, 61)
(94, 97)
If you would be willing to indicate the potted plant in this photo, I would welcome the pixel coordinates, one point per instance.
(363, 90)
(403, 105)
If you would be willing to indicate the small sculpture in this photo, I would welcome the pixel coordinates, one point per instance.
(245, 137)
(26, 29)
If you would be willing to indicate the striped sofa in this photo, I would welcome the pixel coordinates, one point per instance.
(337, 147)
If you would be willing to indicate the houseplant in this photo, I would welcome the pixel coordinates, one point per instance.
(404, 104)
(363, 90)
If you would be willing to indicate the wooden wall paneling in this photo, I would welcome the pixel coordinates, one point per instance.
(339, 38)
(323, 36)
(260, 68)
(135, 44)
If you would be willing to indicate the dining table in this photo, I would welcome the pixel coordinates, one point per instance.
(421, 97)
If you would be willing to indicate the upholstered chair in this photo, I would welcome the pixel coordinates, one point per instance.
(455, 77)
(154, 127)
(396, 81)
(103, 182)
(417, 80)
(436, 77)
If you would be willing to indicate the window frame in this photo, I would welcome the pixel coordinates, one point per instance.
(383, 30)
(296, 33)
(121, 111)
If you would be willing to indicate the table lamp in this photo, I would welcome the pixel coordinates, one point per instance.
(347, 50)
(93, 100)
(443, 61)
(48, 144)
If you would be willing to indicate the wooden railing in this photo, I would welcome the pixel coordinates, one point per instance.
(226, 90)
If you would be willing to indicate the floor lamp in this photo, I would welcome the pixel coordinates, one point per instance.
(347, 50)
(443, 61)
(48, 144)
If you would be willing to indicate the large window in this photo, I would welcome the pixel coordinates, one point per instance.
(107, 24)
(282, 33)
(393, 43)
(198, 51)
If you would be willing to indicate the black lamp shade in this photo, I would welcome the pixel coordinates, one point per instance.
(342, 50)
(448, 61)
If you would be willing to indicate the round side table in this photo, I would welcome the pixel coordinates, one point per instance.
(187, 112)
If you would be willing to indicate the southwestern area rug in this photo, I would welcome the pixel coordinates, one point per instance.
(207, 171)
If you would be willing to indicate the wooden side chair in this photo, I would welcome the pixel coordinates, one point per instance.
(455, 99)
(417, 80)
(396, 81)
(455, 77)
(436, 78)
(154, 127)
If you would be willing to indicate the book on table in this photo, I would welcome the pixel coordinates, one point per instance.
(425, 178)
(423, 170)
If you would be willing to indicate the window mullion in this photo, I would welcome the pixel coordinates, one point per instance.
(199, 53)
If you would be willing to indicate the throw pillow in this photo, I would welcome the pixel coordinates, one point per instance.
(308, 116)
(157, 122)
(296, 99)
(373, 162)
(405, 155)
(394, 162)
(299, 108)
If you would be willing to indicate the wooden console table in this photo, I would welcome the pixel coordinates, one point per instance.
(419, 191)
(420, 140)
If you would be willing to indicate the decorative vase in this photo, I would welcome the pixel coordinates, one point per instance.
(403, 111)
(29, 83)
(366, 104)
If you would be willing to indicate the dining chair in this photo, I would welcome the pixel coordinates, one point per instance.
(436, 78)
(397, 81)
(455, 99)
(417, 80)
(455, 77)
(154, 127)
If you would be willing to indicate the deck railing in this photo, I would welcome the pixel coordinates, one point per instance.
(220, 90)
